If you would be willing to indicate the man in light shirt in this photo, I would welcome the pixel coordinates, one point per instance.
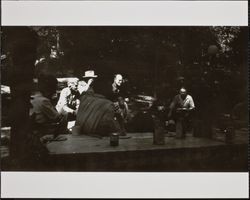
(179, 110)
(69, 99)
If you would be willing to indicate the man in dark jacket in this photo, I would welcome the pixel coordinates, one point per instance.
(117, 96)
(47, 120)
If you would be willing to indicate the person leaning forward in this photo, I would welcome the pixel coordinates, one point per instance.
(46, 119)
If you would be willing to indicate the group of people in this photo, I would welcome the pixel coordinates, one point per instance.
(94, 114)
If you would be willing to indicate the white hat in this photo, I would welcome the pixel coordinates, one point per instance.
(90, 74)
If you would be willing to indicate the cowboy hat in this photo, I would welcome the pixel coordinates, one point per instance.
(89, 74)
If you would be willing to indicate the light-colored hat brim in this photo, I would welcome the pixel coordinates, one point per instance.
(90, 76)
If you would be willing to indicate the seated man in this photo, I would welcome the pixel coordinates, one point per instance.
(179, 110)
(69, 100)
(95, 114)
(46, 118)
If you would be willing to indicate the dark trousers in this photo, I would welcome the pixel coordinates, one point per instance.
(121, 123)
(181, 127)
(182, 120)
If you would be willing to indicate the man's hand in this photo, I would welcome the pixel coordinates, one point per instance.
(90, 81)
(74, 112)
(82, 87)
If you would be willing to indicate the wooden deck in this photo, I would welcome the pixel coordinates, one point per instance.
(138, 142)
(138, 153)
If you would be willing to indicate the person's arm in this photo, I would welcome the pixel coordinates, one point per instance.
(49, 111)
(68, 109)
(90, 81)
(83, 86)
(77, 105)
(191, 103)
(171, 108)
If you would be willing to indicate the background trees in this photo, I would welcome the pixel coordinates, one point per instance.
(152, 58)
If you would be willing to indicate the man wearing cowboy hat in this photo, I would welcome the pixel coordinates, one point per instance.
(85, 84)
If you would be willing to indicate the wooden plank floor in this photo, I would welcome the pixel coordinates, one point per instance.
(138, 142)
(138, 153)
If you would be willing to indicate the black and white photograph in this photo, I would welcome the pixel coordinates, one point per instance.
(124, 98)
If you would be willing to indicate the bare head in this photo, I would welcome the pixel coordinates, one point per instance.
(118, 79)
(183, 92)
(72, 83)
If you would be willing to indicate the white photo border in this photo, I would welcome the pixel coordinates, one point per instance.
(110, 184)
(125, 13)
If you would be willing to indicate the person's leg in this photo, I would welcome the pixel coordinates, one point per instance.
(179, 128)
(185, 127)
(121, 122)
